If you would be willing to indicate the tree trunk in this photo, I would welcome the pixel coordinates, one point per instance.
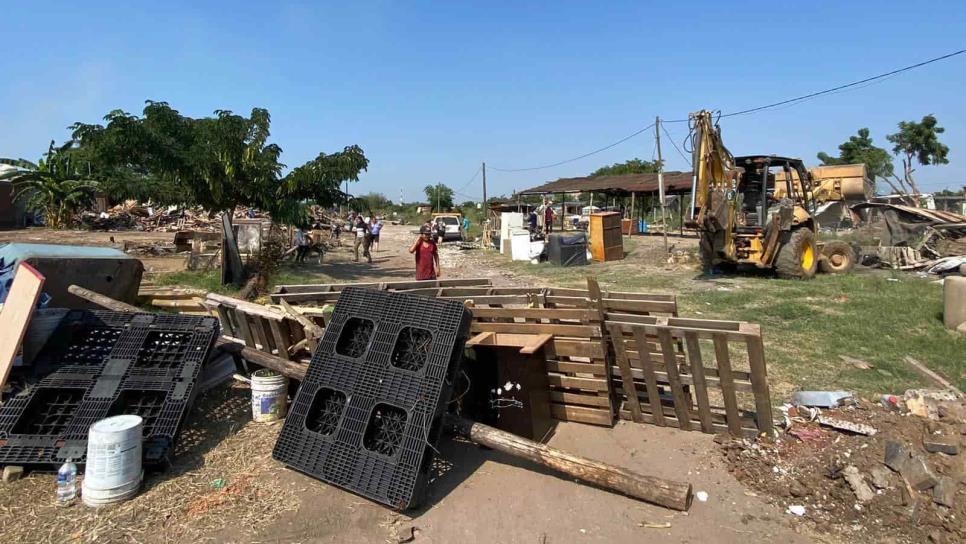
(667, 493)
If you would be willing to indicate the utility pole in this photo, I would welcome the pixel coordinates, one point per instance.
(484, 188)
(437, 198)
(660, 179)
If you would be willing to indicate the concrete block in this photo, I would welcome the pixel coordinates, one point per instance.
(954, 301)
(896, 455)
(945, 491)
(942, 444)
(880, 476)
(12, 473)
(918, 474)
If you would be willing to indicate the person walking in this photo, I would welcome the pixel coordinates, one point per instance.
(361, 231)
(302, 242)
(375, 226)
(548, 219)
(427, 255)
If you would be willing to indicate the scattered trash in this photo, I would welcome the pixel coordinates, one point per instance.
(795, 509)
(12, 473)
(925, 402)
(701, 496)
(218, 483)
(890, 402)
(842, 425)
(805, 434)
(67, 483)
(647, 525)
(113, 469)
(822, 399)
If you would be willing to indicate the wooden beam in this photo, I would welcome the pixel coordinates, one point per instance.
(16, 313)
(668, 493)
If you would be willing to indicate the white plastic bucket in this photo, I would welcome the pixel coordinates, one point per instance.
(113, 469)
(269, 396)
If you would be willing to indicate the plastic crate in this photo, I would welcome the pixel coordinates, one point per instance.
(150, 371)
(367, 416)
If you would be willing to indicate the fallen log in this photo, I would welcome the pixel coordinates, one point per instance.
(254, 356)
(667, 493)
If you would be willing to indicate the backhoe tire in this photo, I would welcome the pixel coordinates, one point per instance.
(838, 257)
(798, 258)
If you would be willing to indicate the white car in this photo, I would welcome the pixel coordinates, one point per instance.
(451, 227)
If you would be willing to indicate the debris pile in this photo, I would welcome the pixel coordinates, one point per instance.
(915, 238)
(880, 473)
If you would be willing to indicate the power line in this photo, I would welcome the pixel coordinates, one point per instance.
(835, 89)
(585, 155)
(478, 170)
(676, 148)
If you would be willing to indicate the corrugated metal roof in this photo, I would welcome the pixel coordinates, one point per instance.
(936, 216)
(674, 182)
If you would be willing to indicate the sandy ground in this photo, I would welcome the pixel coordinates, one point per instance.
(485, 496)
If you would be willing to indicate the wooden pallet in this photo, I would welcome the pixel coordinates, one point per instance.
(179, 299)
(662, 375)
(261, 327)
(329, 293)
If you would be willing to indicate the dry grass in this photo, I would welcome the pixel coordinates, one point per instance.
(182, 504)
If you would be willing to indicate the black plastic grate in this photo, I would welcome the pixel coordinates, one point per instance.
(325, 412)
(355, 336)
(146, 364)
(163, 350)
(49, 412)
(385, 429)
(367, 415)
(411, 349)
(145, 403)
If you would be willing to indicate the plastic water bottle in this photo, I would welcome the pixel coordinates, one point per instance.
(67, 483)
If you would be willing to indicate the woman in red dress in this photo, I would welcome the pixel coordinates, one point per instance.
(427, 256)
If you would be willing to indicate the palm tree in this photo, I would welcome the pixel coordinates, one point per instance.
(53, 186)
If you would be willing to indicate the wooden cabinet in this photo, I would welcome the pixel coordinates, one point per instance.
(606, 243)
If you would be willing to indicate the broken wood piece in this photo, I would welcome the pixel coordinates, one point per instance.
(842, 425)
(668, 493)
(311, 328)
(16, 313)
(857, 363)
(857, 482)
(286, 368)
(932, 376)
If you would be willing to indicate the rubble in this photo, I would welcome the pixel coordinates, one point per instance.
(857, 482)
(947, 445)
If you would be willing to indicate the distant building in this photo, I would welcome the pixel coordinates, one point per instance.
(423, 208)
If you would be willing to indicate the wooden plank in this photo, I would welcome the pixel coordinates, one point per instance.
(176, 303)
(572, 367)
(535, 313)
(493, 300)
(650, 379)
(643, 306)
(564, 397)
(577, 348)
(586, 331)
(759, 382)
(700, 384)
(580, 414)
(626, 376)
(16, 313)
(670, 421)
(536, 344)
(281, 339)
(261, 335)
(674, 381)
(723, 359)
(248, 307)
(394, 285)
(590, 384)
(241, 320)
(226, 323)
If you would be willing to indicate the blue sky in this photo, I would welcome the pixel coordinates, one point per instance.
(429, 90)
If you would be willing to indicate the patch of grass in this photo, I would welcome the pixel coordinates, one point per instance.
(807, 325)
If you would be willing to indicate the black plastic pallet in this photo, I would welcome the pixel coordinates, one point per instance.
(49, 423)
(367, 416)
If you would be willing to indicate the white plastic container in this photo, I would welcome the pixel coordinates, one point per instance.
(269, 396)
(113, 470)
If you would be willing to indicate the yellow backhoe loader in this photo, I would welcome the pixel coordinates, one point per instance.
(760, 209)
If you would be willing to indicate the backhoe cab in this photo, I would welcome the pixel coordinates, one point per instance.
(757, 210)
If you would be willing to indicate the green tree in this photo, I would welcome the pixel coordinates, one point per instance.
(859, 149)
(440, 196)
(215, 162)
(371, 202)
(633, 166)
(919, 142)
(54, 186)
